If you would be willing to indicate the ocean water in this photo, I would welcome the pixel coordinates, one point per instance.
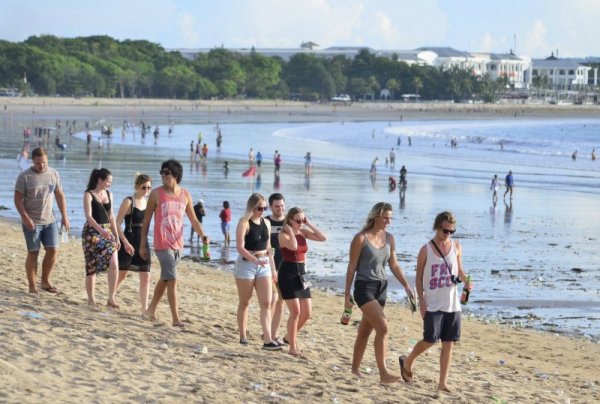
(531, 258)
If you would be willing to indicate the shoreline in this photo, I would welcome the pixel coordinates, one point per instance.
(52, 343)
(256, 111)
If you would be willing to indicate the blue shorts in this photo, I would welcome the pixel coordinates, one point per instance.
(46, 234)
(168, 260)
(440, 325)
(248, 270)
(225, 228)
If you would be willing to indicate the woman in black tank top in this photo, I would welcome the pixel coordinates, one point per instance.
(131, 213)
(99, 236)
(255, 268)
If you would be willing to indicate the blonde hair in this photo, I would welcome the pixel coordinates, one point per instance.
(252, 203)
(376, 211)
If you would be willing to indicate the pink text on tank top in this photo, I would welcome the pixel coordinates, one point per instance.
(168, 223)
(440, 277)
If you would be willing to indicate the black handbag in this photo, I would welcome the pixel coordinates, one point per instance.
(124, 256)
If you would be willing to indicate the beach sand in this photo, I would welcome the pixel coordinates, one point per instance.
(54, 348)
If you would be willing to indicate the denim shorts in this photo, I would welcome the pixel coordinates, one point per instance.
(225, 227)
(168, 260)
(46, 234)
(248, 270)
(440, 325)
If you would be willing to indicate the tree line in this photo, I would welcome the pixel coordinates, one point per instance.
(101, 66)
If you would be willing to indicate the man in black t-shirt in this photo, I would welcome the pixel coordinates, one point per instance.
(276, 218)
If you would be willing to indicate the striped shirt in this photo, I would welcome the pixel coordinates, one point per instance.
(38, 193)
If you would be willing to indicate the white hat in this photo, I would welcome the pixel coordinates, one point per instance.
(201, 200)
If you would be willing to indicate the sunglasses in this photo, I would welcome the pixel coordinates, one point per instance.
(299, 221)
(261, 208)
(146, 188)
(448, 231)
(165, 172)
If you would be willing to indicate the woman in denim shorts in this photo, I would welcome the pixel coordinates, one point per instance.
(255, 268)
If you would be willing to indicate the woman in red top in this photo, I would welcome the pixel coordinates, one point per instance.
(293, 284)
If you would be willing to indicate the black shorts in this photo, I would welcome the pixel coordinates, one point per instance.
(440, 325)
(290, 279)
(365, 291)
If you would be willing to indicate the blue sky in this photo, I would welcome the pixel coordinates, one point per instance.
(540, 26)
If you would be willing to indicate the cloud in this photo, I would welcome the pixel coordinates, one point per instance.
(186, 24)
(385, 27)
(535, 39)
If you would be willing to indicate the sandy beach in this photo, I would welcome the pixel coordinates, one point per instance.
(56, 348)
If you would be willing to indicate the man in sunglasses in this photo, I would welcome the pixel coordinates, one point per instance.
(439, 270)
(168, 203)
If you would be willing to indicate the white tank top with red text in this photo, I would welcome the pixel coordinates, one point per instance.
(168, 220)
(440, 293)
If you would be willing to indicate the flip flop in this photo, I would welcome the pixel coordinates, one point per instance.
(406, 375)
(51, 289)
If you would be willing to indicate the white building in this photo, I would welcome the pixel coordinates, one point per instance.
(565, 74)
(517, 69)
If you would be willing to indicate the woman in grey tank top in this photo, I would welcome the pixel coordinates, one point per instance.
(371, 249)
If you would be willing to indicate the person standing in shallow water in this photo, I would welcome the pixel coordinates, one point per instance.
(439, 270)
(494, 187)
(168, 204)
(509, 182)
(371, 250)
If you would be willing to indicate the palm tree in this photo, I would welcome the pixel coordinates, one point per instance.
(393, 85)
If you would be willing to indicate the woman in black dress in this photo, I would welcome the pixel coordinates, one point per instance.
(132, 213)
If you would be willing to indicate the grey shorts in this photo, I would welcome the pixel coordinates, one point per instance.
(440, 325)
(168, 260)
(247, 270)
(46, 234)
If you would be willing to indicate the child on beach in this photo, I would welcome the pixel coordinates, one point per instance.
(225, 216)
(439, 270)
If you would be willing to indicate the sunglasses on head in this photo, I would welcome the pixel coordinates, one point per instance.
(448, 231)
(165, 172)
(261, 208)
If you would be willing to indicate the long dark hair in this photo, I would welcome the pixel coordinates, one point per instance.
(97, 174)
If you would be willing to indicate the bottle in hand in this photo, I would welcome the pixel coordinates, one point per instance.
(464, 298)
(347, 314)
(205, 248)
